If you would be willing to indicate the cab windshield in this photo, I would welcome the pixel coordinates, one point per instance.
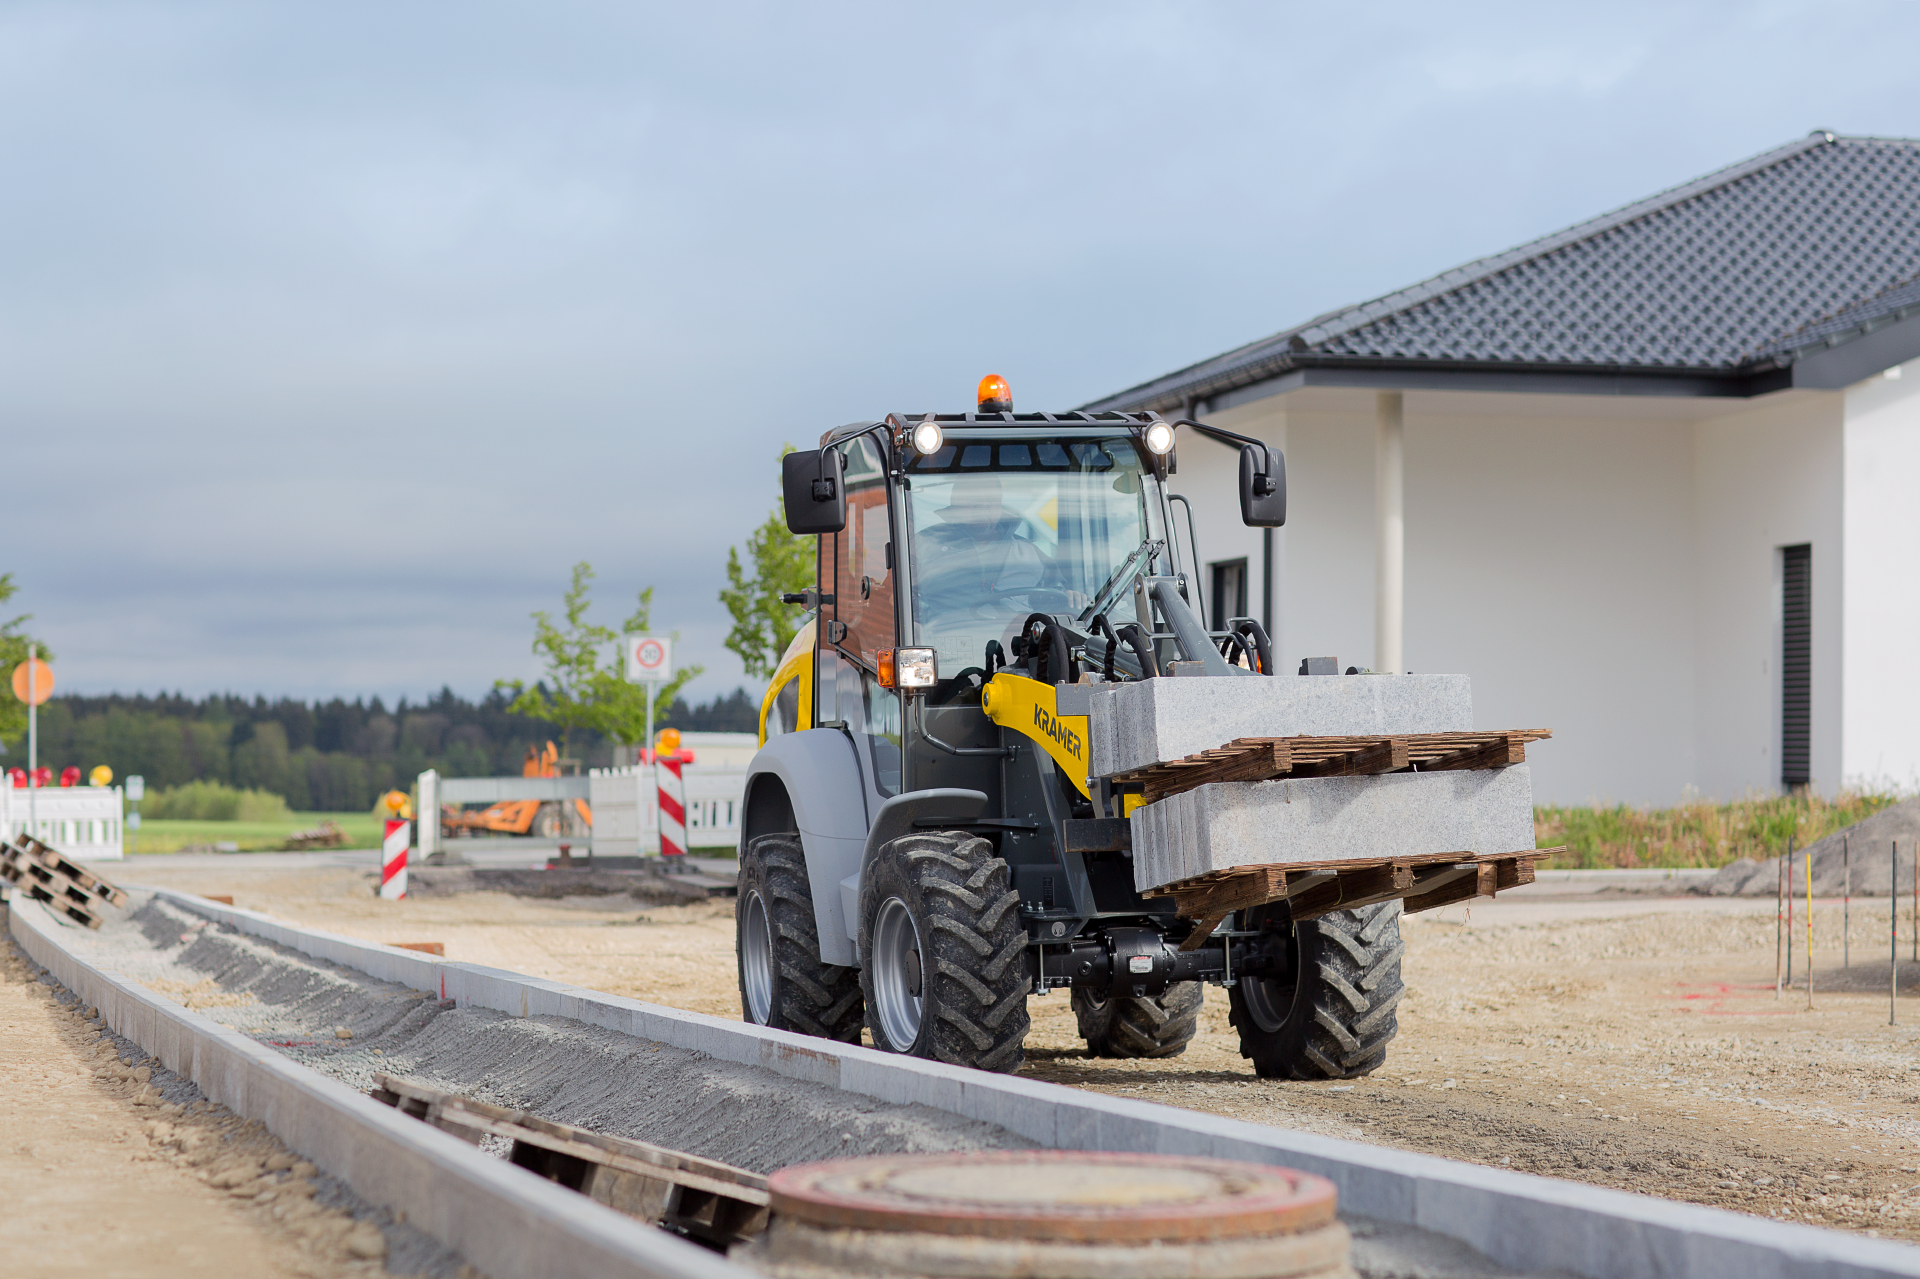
(1008, 527)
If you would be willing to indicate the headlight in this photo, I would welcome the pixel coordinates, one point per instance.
(915, 667)
(927, 438)
(1160, 439)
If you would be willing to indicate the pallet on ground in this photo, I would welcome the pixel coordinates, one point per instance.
(704, 1199)
(52, 859)
(1260, 759)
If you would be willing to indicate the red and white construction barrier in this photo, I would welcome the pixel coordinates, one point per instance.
(673, 806)
(393, 860)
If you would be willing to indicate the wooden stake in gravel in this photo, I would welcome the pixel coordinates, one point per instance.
(1809, 856)
(1846, 904)
(1788, 863)
(1779, 922)
(1893, 929)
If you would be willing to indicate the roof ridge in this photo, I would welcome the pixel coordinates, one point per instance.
(1346, 319)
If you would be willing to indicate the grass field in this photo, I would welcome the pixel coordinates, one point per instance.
(1700, 834)
(363, 831)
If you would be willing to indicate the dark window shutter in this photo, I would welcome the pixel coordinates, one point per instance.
(1796, 665)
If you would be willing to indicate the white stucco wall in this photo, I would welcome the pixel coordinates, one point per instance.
(1880, 732)
(1603, 568)
(1767, 476)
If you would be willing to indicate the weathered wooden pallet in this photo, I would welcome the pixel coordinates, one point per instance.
(49, 858)
(1260, 759)
(714, 1203)
(61, 898)
(1312, 889)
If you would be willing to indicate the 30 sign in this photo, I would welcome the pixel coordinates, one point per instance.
(649, 658)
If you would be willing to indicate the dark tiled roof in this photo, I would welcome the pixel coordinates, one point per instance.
(1737, 271)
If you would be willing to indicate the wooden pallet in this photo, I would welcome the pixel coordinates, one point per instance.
(704, 1199)
(1260, 759)
(31, 877)
(1312, 889)
(48, 858)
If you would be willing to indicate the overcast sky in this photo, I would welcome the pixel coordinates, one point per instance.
(331, 336)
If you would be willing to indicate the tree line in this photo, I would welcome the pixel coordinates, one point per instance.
(332, 756)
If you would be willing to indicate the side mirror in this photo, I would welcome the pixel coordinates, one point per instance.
(1263, 487)
(815, 490)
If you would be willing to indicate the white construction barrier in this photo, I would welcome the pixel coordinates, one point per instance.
(626, 804)
(81, 822)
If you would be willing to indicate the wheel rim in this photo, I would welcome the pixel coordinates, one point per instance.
(1267, 1001)
(896, 961)
(756, 960)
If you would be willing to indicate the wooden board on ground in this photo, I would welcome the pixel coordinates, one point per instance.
(714, 1203)
(1261, 759)
(1315, 888)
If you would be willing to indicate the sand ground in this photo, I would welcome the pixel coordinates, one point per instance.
(103, 1179)
(1628, 1042)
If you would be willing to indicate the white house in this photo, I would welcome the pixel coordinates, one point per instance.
(1651, 481)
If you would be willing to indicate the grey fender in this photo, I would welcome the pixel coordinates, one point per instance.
(821, 778)
(897, 816)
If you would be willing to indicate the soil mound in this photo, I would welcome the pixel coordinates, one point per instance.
(1868, 845)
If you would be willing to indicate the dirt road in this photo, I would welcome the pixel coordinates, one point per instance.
(104, 1179)
(1627, 1043)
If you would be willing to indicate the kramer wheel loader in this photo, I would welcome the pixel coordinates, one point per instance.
(1004, 756)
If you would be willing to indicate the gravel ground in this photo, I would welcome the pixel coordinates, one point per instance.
(1623, 1042)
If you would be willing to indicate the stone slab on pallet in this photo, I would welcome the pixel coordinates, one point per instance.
(1323, 820)
(1157, 721)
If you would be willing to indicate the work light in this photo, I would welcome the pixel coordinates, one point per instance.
(1160, 439)
(927, 437)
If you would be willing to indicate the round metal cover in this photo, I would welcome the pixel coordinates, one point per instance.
(1055, 1194)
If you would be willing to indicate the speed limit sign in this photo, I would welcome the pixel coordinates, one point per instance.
(649, 658)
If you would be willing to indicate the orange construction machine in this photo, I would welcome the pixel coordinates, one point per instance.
(545, 818)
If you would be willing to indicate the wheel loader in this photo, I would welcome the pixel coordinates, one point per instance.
(923, 844)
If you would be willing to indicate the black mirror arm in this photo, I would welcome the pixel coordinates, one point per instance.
(1233, 441)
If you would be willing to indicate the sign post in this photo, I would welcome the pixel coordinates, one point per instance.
(136, 791)
(33, 684)
(650, 662)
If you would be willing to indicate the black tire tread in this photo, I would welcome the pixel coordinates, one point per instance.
(1141, 1025)
(976, 992)
(809, 996)
(1342, 1020)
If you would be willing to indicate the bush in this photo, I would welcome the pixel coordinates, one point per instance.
(214, 802)
(1701, 833)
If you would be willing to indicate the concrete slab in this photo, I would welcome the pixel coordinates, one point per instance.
(1518, 1220)
(1157, 720)
(1231, 824)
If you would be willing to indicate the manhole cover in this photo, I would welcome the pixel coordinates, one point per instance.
(1055, 1194)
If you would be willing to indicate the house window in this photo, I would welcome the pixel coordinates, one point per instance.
(1229, 594)
(1796, 664)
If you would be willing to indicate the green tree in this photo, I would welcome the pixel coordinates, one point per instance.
(578, 691)
(13, 651)
(782, 562)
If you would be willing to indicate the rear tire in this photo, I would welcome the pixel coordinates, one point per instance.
(1334, 1018)
(1140, 1026)
(943, 950)
(783, 983)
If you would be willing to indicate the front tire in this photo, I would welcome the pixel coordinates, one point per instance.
(1332, 1019)
(783, 983)
(942, 951)
(1139, 1026)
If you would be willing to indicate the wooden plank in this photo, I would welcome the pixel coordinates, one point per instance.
(1458, 883)
(1388, 755)
(1246, 760)
(1184, 886)
(32, 855)
(1507, 751)
(1203, 930)
(1355, 888)
(1244, 888)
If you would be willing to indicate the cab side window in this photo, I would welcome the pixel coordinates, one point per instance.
(863, 576)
